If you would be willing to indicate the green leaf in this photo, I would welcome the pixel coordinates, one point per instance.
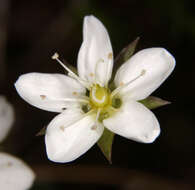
(105, 144)
(42, 131)
(154, 102)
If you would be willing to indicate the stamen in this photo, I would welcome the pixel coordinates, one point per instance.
(109, 64)
(96, 120)
(98, 114)
(70, 73)
(42, 97)
(81, 100)
(77, 120)
(62, 128)
(143, 72)
(55, 56)
(75, 93)
(91, 75)
(116, 91)
(94, 127)
(96, 69)
(76, 100)
(110, 56)
(9, 164)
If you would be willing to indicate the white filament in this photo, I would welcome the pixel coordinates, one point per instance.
(117, 90)
(71, 73)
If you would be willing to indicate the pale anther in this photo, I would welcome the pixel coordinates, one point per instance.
(94, 127)
(55, 56)
(75, 93)
(110, 56)
(121, 84)
(143, 72)
(42, 97)
(62, 128)
(9, 164)
(91, 75)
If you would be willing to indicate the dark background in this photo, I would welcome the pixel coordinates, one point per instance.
(31, 31)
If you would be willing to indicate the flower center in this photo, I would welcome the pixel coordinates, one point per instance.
(99, 96)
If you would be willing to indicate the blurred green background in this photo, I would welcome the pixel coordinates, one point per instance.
(31, 31)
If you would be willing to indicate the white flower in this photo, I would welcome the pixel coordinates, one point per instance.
(14, 173)
(83, 117)
(6, 117)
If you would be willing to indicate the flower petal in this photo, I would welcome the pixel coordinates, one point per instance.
(71, 134)
(134, 121)
(95, 59)
(51, 92)
(156, 64)
(6, 117)
(14, 173)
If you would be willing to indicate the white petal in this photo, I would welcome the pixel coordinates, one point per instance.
(134, 121)
(71, 134)
(49, 91)
(6, 117)
(157, 63)
(14, 173)
(95, 59)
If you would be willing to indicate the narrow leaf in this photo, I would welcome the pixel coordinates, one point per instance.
(154, 102)
(105, 144)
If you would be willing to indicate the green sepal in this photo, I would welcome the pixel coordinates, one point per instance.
(126, 53)
(154, 102)
(122, 57)
(42, 131)
(105, 144)
(106, 140)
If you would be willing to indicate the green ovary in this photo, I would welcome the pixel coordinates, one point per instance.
(99, 97)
